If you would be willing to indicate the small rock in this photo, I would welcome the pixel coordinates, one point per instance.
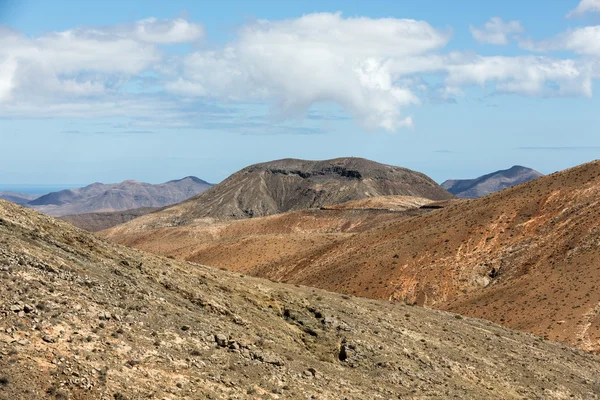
(185, 328)
(49, 339)
(28, 308)
(104, 315)
(221, 340)
(16, 308)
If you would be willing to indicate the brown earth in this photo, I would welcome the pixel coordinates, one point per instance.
(249, 244)
(81, 318)
(527, 257)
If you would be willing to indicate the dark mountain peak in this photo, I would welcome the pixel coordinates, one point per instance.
(293, 184)
(190, 178)
(489, 183)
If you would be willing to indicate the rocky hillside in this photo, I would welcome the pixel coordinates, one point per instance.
(490, 183)
(287, 185)
(94, 222)
(18, 198)
(526, 257)
(84, 319)
(126, 195)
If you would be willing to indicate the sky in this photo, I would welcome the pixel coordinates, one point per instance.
(105, 91)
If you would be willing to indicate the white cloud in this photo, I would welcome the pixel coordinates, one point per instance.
(152, 30)
(315, 58)
(84, 61)
(585, 41)
(584, 7)
(375, 69)
(525, 75)
(496, 31)
(8, 68)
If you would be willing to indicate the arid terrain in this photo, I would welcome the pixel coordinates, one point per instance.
(127, 195)
(82, 318)
(490, 183)
(527, 257)
(94, 222)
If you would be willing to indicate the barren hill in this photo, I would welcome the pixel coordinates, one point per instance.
(490, 183)
(290, 184)
(18, 198)
(126, 195)
(526, 257)
(85, 319)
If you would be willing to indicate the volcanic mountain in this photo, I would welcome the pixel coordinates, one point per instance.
(490, 183)
(126, 195)
(526, 257)
(85, 319)
(287, 185)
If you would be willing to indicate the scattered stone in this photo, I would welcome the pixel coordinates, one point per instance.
(221, 340)
(16, 307)
(104, 315)
(49, 339)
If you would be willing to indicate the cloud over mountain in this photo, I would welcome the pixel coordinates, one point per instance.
(375, 69)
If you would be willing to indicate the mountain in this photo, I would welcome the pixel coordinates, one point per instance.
(526, 257)
(86, 319)
(490, 183)
(286, 185)
(126, 195)
(95, 222)
(18, 198)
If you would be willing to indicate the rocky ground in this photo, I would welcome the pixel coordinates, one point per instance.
(82, 318)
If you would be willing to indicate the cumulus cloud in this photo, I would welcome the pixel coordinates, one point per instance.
(496, 31)
(316, 58)
(584, 7)
(375, 69)
(84, 61)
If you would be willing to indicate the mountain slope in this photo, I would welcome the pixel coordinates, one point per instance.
(94, 222)
(18, 198)
(526, 257)
(86, 319)
(490, 183)
(119, 196)
(290, 184)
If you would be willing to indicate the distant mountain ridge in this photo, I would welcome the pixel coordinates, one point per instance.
(490, 183)
(130, 194)
(18, 198)
(292, 184)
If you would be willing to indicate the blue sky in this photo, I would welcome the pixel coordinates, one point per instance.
(156, 90)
